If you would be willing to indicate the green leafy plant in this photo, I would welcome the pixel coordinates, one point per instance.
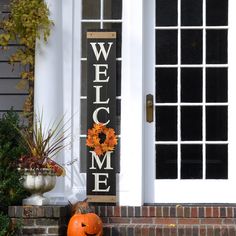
(6, 226)
(11, 189)
(11, 147)
(43, 144)
(28, 20)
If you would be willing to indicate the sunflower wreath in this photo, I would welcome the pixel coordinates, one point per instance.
(101, 139)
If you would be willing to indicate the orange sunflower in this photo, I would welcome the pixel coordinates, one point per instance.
(101, 139)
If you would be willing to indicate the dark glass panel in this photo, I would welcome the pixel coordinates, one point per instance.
(112, 9)
(191, 123)
(217, 161)
(216, 46)
(118, 28)
(166, 123)
(166, 161)
(85, 27)
(191, 161)
(91, 9)
(83, 78)
(216, 12)
(191, 46)
(191, 12)
(166, 85)
(216, 123)
(191, 85)
(216, 85)
(166, 47)
(166, 13)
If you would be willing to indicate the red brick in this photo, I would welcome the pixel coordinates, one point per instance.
(196, 230)
(211, 221)
(152, 231)
(166, 221)
(172, 211)
(187, 212)
(208, 211)
(230, 221)
(216, 211)
(47, 221)
(166, 231)
(28, 222)
(194, 212)
(180, 211)
(188, 221)
(131, 211)
(166, 211)
(152, 211)
(223, 212)
(145, 211)
(210, 231)
(123, 220)
(188, 231)
(33, 231)
(173, 231)
(231, 231)
(202, 230)
(224, 231)
(53, 230)
(142, 220)
(110, 211)
(181, 231)
(117, 211)
(158, 231)
(40, 211)
(229, 212)
(159, 212)
(137, 230)
(145, 231)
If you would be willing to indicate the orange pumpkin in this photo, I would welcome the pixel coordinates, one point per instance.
(84, 225)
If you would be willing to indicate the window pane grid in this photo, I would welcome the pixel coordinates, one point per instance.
(209, 55)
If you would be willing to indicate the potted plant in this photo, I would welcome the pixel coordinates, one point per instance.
(38, 169)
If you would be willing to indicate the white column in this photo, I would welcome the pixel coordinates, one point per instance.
(48, 83)
(131, 166)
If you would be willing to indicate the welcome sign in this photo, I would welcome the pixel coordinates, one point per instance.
(101, 109)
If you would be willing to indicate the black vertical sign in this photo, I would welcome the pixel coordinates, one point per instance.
(101, 108)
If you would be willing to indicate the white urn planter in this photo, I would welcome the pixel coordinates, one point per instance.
(38, 182)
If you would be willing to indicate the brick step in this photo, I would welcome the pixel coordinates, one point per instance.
(170, 211)
(169, 220)
(168, 230)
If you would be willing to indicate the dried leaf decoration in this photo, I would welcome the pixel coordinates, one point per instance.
(101, 139)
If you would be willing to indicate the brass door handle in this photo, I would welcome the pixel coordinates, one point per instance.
(149, 108)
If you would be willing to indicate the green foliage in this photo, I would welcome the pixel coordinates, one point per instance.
(11, 147)
(6, 228)
(28, 21)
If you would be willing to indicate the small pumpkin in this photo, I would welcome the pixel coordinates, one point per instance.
(88, 224)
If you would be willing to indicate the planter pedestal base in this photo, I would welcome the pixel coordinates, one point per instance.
(36, 200)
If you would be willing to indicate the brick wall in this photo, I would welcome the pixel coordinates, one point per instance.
(41, 220)
(169, 220)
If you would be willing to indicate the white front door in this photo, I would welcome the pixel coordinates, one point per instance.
(189, 68)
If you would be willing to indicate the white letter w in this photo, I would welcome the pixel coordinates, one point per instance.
(102, 50)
